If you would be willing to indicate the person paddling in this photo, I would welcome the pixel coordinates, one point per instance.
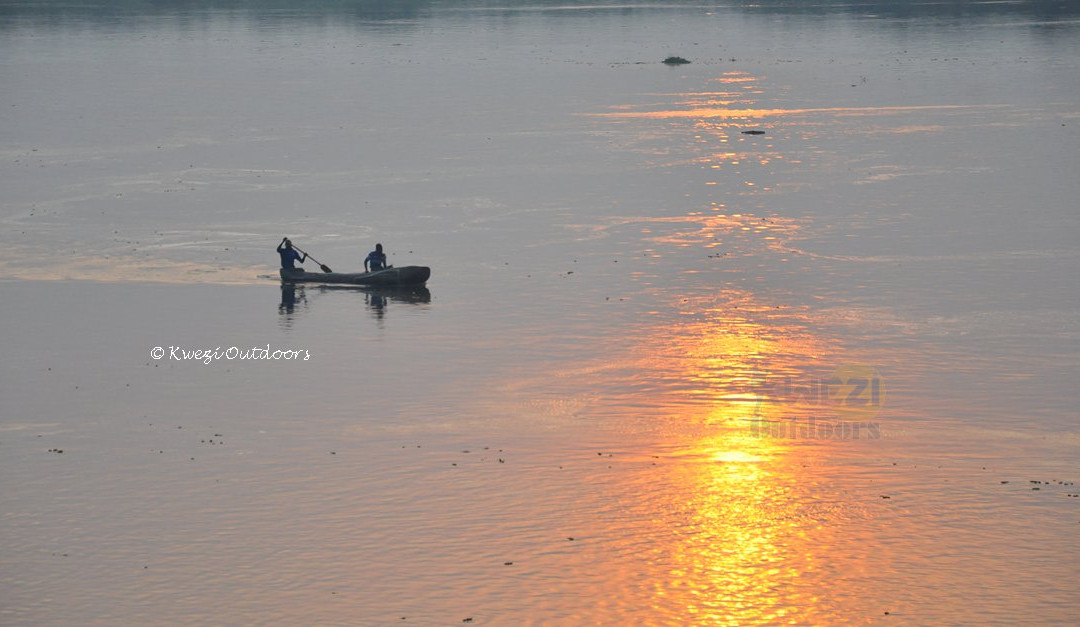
(289, 255)
(376, 258)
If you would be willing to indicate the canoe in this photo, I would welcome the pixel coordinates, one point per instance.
(407, 275)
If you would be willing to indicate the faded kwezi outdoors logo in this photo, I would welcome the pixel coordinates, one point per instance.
(838, 406)
(855, 391)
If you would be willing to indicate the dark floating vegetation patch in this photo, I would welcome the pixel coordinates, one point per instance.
(675, 61)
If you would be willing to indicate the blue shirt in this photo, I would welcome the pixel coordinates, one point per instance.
(288, 256)
(376, 259)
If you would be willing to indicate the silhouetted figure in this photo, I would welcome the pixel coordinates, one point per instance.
(376, 259)
(289, 255)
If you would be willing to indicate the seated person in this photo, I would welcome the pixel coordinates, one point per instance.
(376, 259)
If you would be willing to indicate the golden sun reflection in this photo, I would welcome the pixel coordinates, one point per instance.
(723, 119)
(734, 233)
(753, 520)
(742, 525)
(717, 523)
(745, 546)
(723, 126)
(757, 113)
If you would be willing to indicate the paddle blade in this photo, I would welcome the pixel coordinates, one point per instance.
(325, 268)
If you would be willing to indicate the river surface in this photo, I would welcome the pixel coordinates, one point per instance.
(666, 371)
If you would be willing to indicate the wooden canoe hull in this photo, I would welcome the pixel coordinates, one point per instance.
(407, 275)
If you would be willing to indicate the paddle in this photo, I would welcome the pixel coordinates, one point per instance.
(325, 268)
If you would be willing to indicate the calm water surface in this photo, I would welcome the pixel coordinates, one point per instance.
(665, 372)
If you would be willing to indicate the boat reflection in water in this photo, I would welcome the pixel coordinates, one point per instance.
(378, 299)
(295, 298)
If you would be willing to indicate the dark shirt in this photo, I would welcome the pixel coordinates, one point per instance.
(288, 256)
(376, 259)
